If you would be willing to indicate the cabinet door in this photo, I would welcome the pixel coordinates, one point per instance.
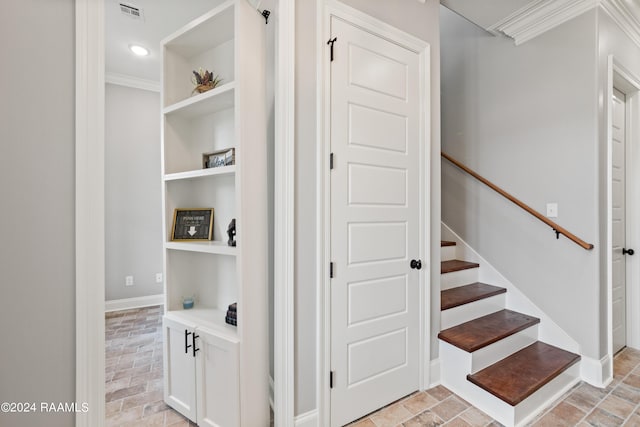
(217, 381)
(179, 368)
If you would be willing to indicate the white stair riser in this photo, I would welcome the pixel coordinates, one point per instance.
(490, 354)
(529, 408)
(454, 377)
(502, 349)
(447, 253)
(458, 278)
(464, 313)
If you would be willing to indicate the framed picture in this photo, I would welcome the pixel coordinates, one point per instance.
(216, 159)
(192, 224)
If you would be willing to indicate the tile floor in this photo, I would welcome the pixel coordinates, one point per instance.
(134, 389)
(134, 370)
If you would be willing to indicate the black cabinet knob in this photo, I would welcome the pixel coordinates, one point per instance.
(416, 264)
(628, 251)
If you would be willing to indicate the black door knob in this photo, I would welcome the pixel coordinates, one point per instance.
(628, 251)
(416, 264)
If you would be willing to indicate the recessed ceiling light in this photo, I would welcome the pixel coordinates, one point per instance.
(139, 50)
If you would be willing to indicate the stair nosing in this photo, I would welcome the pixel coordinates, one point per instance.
(445, 243)
(466, 265)
(472, 348)
(519, 399)
(496, 291)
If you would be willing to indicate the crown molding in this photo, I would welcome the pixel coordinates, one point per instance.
(540, 16)
(130, 81)
(619, 11)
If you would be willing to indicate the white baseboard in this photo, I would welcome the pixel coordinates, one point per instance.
(598, 373)
(137, 302)
(308, 419)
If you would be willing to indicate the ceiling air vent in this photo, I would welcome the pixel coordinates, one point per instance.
(131, 11)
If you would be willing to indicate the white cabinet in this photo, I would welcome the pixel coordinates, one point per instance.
(202, 381)
(230, 387)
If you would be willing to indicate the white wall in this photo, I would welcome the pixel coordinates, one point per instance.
(420, 20)
(133, 202)
(526, 118)
(37, 164)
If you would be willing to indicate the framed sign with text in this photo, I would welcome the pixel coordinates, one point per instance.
(192, 224)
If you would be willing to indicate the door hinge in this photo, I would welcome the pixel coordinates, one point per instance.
(330, 43)
(331, 161)
(331, 379)
(331, 270)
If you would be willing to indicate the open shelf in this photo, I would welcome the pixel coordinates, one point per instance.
(209, 318)
(201, 173)
(211, 29)
(215, 247)
(212, 101)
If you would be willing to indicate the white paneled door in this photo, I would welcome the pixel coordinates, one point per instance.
(375, 215)
(619, 299)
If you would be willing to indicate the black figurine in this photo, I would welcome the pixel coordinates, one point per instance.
(231, 232)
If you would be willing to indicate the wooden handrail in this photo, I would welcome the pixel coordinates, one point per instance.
(558, 230)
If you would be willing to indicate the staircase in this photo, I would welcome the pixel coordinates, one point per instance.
(490, 355)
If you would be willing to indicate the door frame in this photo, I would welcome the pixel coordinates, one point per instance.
(325, 10)
(620, 77)
(89, 213)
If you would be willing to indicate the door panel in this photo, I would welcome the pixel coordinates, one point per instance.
(375, 299)
(373, 70)
(375, 214)
(377, 185)
(218, 387)
(370, 357)
(619, 330)
(389, 134)
(371, 242)
(179, 368)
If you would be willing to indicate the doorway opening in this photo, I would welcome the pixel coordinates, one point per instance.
(90, 239)
(623, 128)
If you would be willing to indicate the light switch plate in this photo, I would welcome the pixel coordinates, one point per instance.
(552, 210)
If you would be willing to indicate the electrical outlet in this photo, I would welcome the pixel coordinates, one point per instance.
(552, 210)
(158, 277)
(128, 281)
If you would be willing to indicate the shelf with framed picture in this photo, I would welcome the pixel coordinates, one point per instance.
(214, 176)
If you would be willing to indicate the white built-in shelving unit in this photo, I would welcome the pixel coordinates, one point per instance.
(217, 374)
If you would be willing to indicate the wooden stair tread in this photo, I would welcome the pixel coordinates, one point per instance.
(518, 376)
(447, 243)
(456, 265)
(466, 294)
(483, 331)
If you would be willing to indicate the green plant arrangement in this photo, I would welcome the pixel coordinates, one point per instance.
(204, 80)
